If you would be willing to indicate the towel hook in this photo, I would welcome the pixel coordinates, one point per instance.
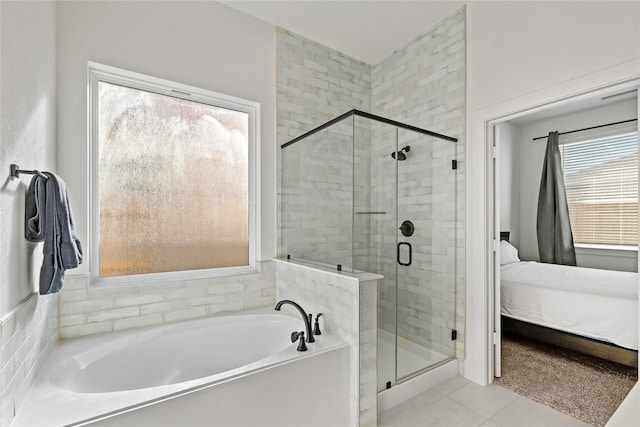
(15, 171)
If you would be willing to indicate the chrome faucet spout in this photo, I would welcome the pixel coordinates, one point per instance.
(306, 317)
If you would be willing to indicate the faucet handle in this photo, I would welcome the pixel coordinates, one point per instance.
(302, 346)
(316, 330)
(309, 328)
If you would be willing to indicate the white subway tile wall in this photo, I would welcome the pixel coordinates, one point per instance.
(88, 310)
(316, 84)
(28, 333)
(368, 357)
(349, 312)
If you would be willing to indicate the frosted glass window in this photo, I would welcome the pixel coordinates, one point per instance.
(173, 183)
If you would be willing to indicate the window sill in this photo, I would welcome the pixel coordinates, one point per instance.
(607, 247)
(607, 250)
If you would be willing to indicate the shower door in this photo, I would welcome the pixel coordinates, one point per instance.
(425, 253)
(405, 229)
(414, 184)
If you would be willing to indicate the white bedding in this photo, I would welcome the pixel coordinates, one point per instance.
(598, 304)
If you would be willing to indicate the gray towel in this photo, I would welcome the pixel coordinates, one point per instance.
(48, 219)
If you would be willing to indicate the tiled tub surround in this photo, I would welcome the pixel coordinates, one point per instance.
(86, 310)
(348, 304)
(168, 375)
(28, 334)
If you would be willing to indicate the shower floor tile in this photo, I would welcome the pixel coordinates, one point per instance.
(411, 358)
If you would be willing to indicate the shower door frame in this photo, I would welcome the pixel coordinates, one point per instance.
(364, 114)
(413, 374)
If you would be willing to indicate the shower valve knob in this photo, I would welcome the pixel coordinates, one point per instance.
(407, 228)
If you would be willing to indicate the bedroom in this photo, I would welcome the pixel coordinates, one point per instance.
(597, 157)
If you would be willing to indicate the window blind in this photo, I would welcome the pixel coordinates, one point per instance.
(601, 180)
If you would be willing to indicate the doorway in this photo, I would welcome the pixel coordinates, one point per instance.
(513, 189)
(501, 130)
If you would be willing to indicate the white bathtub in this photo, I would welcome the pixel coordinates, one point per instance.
(230, 370)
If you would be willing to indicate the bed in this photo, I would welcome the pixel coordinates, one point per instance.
(589, 310)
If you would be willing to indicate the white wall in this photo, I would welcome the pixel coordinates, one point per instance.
(522, 55)
(509, 146)
(531, 159)
(27, 137)
(520, 47)
(27, 132)
(203, 44)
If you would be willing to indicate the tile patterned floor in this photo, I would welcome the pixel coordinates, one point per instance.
(461, 403)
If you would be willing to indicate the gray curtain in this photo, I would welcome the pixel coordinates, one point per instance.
(555, 240)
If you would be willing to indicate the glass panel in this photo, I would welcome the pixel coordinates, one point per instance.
(378, 218)
(317, 197)
(173, 183)
(363, 209)
(425, 287)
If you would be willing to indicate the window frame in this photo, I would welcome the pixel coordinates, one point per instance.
(587, 136)
(103, 73)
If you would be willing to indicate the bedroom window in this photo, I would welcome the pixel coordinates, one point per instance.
(601, 179)
(173, 182)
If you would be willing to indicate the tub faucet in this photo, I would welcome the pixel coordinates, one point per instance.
(306, 317)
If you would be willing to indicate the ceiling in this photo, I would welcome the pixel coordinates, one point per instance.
(367, 30)
(370, 30)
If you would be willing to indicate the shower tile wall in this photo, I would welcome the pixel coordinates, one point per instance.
(315, 84)
(423, 84)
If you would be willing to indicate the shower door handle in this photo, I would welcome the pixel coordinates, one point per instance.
(410, 253)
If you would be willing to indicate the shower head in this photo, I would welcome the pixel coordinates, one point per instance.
(400, 154)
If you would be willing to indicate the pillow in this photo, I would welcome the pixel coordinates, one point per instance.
(508, 253)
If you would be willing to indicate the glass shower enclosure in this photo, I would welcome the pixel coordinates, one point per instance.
(363, 193)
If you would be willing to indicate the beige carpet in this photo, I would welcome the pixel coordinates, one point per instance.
(585, 387)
